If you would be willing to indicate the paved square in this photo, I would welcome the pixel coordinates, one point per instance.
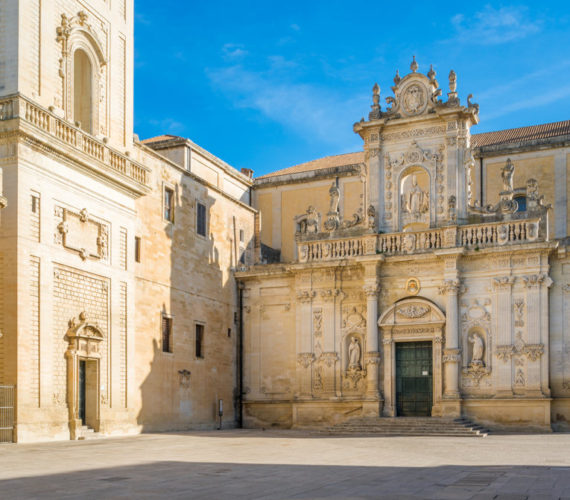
(289, 464)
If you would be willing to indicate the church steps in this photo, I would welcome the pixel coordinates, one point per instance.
(407, 426)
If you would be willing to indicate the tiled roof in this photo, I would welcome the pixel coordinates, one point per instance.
(522, 134)
(160, 138)
(513, 135)
(320, 164)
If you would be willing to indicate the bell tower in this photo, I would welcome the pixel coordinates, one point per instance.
(417, 151)
(75, 59)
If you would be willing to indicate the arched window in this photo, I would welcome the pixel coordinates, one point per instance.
(521, 200)
(83, 90)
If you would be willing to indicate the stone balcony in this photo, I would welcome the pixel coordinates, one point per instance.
(21, 116)
(521, 229)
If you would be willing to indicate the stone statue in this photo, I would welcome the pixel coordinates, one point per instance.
(507, 173)
(309, 222)
(477, 356)
(354, 355)
(334, 192)
(469, 165)
(416, 202)
(371, 213)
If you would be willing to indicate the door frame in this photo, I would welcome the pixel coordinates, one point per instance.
(396, 379)
(412, 319)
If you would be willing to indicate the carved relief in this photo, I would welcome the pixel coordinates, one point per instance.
(533, 352)
(353, 319)
(77, 232)
(518, 307)
(413, 311)
(309, 222)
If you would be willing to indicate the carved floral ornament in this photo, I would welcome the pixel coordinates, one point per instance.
(533, 352)
(413, 311)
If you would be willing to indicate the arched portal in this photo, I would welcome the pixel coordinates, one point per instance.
(412, 329)
(83, 90)
(83, 375)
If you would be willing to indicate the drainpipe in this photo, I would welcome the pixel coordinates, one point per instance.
(240, 357)
(481, 180)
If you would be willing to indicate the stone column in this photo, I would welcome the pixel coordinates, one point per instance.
(451, 353)
(372, 357)
(389, 376)
(504, 346)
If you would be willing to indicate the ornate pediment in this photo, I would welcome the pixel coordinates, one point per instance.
(84, 338)
(413, 310)
(417, 94)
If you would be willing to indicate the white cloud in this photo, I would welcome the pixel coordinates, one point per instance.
(535, 101)
(310, 111)
(492, 26)
(295, 27)
(233, 51)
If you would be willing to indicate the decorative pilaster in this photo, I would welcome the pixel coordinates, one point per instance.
(503, 381)
(305, 327)
(536, 300)
(372, 356)
(451, 353)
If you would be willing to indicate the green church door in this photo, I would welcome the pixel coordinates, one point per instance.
(414, 379)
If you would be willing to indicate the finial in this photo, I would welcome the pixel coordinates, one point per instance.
(376, 94)
(452, 81)
(414, 66)
(431, 73)
(397, 78)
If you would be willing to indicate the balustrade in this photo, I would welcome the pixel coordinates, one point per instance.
(64, 131)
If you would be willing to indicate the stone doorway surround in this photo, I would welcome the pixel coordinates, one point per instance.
(84, 345)
(411, 319)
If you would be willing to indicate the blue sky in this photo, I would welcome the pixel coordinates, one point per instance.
(267, 85)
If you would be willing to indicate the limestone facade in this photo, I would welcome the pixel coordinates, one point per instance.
(114, 258)
(430, 235)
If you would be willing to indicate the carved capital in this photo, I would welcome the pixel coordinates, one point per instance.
(536, 280)
(387, 341)
(330, 295)
(533, 351)
(305, 296)
(451, 287)
(305, 359)
(503, 283)
(372, 358)
(451, 355)
(504, 352)
(371, 290)
(328, 358)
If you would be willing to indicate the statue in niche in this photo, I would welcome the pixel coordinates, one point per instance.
(371, 217)
(354, 355)
(478, 347)
(309, 222)
(507, 173)
(415, 200)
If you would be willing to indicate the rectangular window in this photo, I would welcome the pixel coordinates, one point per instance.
(168, 204)
(137, 249)
(201, 219)
(166, 334)
(35, 216)
(199, 341)
(241, 235)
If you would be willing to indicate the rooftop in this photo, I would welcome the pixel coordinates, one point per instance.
(509, 136)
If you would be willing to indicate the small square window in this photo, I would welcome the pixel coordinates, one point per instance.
(201, 219)
(199, 341)
(137, 249)
(166, 334)
(168, 204)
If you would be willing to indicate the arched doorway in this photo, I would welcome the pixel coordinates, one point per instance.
(83, 369)
(412, 337)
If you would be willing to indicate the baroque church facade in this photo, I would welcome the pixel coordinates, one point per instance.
(147, 284)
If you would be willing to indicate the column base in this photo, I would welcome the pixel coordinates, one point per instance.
(447, 408)
(372, 408)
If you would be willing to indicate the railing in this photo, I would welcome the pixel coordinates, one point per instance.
(7, 413)
(20, 107)
(473, 236)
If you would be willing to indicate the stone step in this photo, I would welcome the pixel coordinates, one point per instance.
(86, 433)
(407, 426)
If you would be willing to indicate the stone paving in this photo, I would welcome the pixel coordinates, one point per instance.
(246, 464)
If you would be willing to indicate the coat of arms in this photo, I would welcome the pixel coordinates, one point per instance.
(414, 99)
